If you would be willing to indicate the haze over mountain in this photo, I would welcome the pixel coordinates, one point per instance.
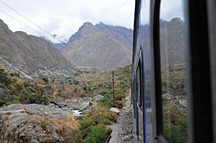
(103, 46)
(32, 55)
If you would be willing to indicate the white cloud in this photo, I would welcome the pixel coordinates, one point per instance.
(172, 8)
(64, 17)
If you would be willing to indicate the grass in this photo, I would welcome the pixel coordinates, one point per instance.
(104, 86)
(175, 123)
(97, 134)
(67, 128)
(94, 125)
(175, 115)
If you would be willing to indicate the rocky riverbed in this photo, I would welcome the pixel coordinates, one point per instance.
(34, 123)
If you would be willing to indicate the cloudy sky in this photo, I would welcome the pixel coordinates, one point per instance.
(64, 17)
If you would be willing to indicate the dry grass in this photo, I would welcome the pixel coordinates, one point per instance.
(69, 122)
(66, 128)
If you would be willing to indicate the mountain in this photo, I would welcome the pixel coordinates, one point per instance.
(101, 46)
(122, 34)
(31, 55)
(173, 43)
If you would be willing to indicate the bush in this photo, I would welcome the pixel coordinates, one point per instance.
(17, 90)
(97, 134)
(175, 122)
(35, 99)
(86, 123)
(93, 125)
(105, 101)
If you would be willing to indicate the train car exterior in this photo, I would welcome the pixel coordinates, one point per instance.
(174, 71)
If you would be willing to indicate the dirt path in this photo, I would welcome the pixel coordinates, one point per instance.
(123, 130)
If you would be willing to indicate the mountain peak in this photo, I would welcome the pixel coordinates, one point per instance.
(101, 46)
(3, 25)
(87, 24)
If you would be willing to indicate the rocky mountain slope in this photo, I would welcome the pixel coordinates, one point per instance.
(122, 34)
(31, 55)
(101, 46)
(173, 43)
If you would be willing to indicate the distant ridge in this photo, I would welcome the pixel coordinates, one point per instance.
(33, 55)
(103, 46)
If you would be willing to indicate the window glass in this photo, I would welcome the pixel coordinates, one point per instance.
(173, 70)
(138, 86)
(148, 69)
(140, 103)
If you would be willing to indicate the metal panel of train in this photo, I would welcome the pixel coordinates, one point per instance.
(174, 71)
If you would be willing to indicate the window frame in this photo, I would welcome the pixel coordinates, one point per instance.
(211, 5)
(200, 127)
(140, 107)
(199, 14)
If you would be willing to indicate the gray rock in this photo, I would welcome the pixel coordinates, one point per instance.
(97, 98)
(30, 123)
(85, 105)
(34, 141)
(115, 110)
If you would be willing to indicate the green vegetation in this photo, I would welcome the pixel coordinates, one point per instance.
(94, 124)
(121, 87)
(92, 127)
(174, 114)
(17, 90)
(175, 123)
(97, 134)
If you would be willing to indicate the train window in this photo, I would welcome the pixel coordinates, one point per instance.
(173, 71)
(138, 85)
(140, 100)
(148, 69)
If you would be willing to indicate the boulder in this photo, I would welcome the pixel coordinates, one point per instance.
(97, 98)
(37, 124)
(115, 110)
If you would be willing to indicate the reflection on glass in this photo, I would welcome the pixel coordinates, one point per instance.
(173, 47)
(139, 103)
(148, 69)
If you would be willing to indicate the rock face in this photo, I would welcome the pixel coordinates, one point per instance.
(38, 124)
(101, 46)
(53, 123)
(33, 55)
(122, 34)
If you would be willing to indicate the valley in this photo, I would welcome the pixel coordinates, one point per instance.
(70, 92)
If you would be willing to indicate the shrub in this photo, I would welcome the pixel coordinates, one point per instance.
(17, 90)
(105, 101)
(68, 128)
(87, 123)
(97, 134)
(93, 125)
(34, 99)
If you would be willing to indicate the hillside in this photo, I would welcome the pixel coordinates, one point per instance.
(31, 55)
(173, 43)
(99, 46)
(43, 111)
